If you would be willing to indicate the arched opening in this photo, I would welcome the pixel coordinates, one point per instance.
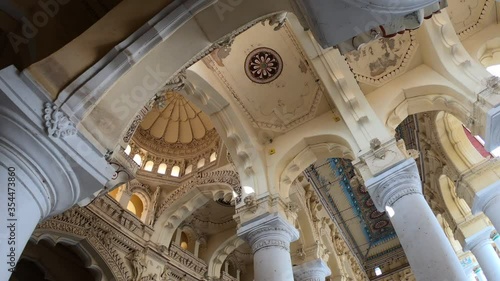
(176, 170)
(189, 169)
(135, 205)
(114, 193)
(138, 159)
(162, 169)
(184, 241)
(200, 163)
(213, 156)
(128, 150)
(149, 166)
(45, 261)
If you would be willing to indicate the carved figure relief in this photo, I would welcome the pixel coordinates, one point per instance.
(139, 265)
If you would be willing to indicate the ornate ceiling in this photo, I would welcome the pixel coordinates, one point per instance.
(469, 16)
(269, 77)
(176, 127)
(382, 60)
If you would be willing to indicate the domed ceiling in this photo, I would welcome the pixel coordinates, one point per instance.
(175, 126)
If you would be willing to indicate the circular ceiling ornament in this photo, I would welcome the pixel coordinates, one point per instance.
(263, 65)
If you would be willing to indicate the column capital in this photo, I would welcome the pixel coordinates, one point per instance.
(315, 270)
(395, 183)
(479, 239)
(480, 185)
(271, 230)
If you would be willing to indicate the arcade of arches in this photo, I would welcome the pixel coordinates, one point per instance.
(243, 140)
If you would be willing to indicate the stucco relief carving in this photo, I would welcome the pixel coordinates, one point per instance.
(57, 123)
(271, 106)
(228, 177)
(144, 138)
(469, 15)
(137, 121)
(81, 223)
(386, 58)
(266, 243)
(139, 265)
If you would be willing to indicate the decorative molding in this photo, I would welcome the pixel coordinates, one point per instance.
(271, 231)
(137, 121)
(80, 222)
(275, 121)
(393, 184)
(228, 177)
(480, 12)
(57, 123)
(144, 139)
(385, 58)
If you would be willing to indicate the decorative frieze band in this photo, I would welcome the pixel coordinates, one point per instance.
(268, 243)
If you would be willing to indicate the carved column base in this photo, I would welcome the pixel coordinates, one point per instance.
(270, 237)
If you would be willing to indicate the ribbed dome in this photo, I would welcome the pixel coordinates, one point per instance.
(179, 122)
(176, 128)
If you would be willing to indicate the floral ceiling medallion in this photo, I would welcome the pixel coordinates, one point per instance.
(263, 65)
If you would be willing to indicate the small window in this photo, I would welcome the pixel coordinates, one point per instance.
(176, 170)
(201, 163)
(378, 271)
(149, 166)
(184, 241)
(189, 169)
(138, 159)
(128, 150)
(162, 169)
(213, 157)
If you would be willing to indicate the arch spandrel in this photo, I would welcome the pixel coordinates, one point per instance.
(455, 144)
(419, 90)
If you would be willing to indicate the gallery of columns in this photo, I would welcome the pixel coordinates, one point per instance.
(242, 140)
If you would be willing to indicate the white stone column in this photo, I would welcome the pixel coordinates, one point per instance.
(481, 245)
(270, 237)
(492, 210)
(46, 166)
(479, 274)
(315, 270)
(429, 252)
(496, 239)
(124, 197)
(196, 248)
